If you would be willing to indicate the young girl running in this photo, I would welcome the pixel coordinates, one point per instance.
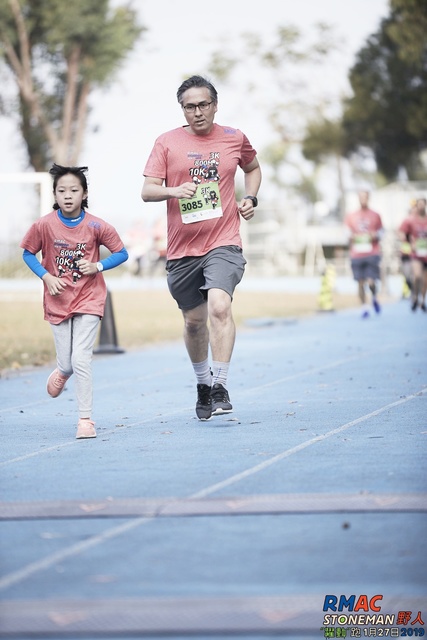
(69, 239)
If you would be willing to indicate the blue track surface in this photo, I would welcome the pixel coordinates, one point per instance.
(329, 408)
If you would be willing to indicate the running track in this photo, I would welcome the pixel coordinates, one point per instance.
(239, 527)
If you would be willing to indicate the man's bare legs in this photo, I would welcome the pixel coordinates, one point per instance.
(362, 296)
(220, 335)
(419, 280)
(222, 327)
(362, 292)
(196, 339)
(196, 333)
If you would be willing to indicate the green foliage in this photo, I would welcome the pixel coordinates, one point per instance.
(289, 56)
(58, 52)
(104, 38)
(388, 111)
(408, 30)
(323, 138)
(281, 68)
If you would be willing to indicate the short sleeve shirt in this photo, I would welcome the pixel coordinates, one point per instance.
(416, 228)
(364, 225)
(61, 248)
(210, 162)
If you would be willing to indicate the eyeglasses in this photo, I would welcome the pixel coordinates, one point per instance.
(203, 106)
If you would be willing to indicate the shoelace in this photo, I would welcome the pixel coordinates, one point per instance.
(219, 395)
(205, 396)
(59, 381)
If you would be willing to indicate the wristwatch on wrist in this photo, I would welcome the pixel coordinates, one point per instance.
(100, 266)
(253, 198)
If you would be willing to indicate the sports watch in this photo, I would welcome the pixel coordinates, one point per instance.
(253, 198)
(100, 266)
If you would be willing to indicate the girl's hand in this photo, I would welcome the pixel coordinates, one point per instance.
(54, 285)
(87, 268)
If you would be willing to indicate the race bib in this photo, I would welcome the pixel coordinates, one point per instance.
(405, 248)
(421, 247)
(362, 243)
(204, 205)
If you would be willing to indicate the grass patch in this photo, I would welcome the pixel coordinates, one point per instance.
(142, 317)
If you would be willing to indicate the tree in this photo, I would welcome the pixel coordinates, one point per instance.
(324, 139)
(303, 181)
(408, 29)
(280, 70)
(388, 110)
(57, 53)
(290, 57)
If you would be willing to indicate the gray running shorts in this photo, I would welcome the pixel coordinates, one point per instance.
(364, 268)
(189, 279)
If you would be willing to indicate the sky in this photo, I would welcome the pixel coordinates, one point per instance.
(141, 104)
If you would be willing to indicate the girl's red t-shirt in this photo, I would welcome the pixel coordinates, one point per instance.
(61, 248)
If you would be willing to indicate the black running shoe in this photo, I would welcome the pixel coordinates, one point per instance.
(204, 402)
(220, 399)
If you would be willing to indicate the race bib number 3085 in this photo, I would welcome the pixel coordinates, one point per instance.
(204, 205)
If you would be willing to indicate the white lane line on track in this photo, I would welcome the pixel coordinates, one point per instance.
(75, 549)
(289, 452)
(70, 443)
(24, 573)
(18, 407)
(99, 387)
(177, 372)
(294, 376)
